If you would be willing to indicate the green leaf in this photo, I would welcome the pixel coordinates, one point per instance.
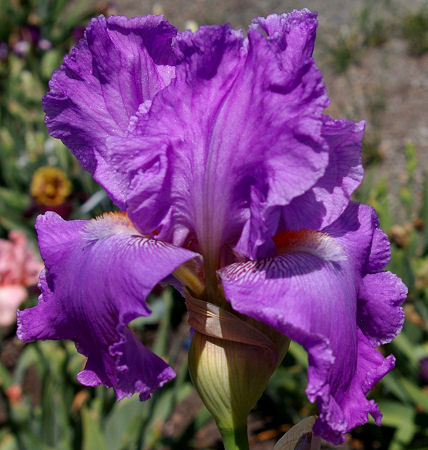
(161, 411)
(51, 60)
(299, 354)
(5, 378)
(161, 406)
(28, 357)
(392, 383)
(161, 341)
(408, 348)
(401, 417)
(123, 423)
(55, 421)
(401, 265)
(8, 442)
(93, 437)
(14, 199)
(29, 440)
(423, 213)
(418, 396)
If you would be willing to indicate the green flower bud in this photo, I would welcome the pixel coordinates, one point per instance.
(231, 359)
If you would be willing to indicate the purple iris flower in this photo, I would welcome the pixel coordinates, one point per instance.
(216, 148)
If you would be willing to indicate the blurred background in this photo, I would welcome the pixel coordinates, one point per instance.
(374, 57)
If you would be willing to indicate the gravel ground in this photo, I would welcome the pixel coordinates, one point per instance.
(337, 13)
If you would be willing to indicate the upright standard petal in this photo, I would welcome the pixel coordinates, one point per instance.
(115, 68)
(316, 292)
(98, 274)
(241, 115)
(328, 198)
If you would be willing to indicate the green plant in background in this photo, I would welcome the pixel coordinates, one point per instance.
(344, 52)
(403, 395)
(415, 30)
(369, 29)
(375, 104)
(34, 35)
(372, 25)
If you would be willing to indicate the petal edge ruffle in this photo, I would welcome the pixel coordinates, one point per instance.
(115, 68)
(335, 303)
(98, 274)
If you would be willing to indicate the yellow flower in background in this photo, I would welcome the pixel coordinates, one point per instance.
(50, 186)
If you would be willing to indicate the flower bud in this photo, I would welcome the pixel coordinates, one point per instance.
(231, 359)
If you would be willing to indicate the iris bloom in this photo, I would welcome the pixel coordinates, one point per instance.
(230, 177)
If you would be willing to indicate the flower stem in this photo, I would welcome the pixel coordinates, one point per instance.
(235, 439)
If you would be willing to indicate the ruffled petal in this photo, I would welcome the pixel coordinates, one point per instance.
(148, 188)
(354, 231)
(380, 293)
(98, 274)
(313, 302)
(241, 115)
(380, 252)
(116, 67)
(328, 198)
(379, 313)
(350, 407)
(317, 294)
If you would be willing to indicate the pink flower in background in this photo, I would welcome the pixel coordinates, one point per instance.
(19, 268)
